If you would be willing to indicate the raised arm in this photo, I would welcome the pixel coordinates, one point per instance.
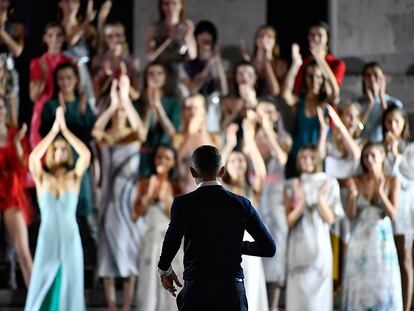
(35, 158)
(84, 155)
(74, 35)
(154, 97)
(38, 75)
(133, 117)
(253, 153)
(99, 129)
(190, 40)
(287, 88)
(277, 151)
(15, 46)
(323, 132)
(333, 96)
(102, 17)
(350, 144)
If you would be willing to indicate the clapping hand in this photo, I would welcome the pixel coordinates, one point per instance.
(296, 57)
(324, 126)
(90, 12)
(248, 93)
(231, 134)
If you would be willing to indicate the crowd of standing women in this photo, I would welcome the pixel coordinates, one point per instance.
(110, 142)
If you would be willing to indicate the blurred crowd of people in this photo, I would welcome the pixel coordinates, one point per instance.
(110, 144)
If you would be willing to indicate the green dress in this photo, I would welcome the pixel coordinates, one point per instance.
(57, 277)
(156, 134)
(81, 125)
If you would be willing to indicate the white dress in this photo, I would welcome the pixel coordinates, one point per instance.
(151, 296)
(272, 211)
(254, 280)
(309, 270)
(403, 168)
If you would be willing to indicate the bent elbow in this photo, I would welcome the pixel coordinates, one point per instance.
(272, 250)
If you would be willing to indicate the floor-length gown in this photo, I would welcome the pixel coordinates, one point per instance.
(254, 280)
(372, 276)
(57, 277)
(272, 211)
(309, 275)
(119, 237)
(151, 296)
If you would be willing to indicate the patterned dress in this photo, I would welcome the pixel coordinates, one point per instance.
(119, 237)
(372, 276)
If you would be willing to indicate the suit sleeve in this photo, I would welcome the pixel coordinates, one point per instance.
(173, 237)
(263, 245)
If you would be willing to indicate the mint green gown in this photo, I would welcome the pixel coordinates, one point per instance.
(57, 277)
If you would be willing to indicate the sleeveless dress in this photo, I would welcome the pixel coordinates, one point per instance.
(12, 179)
(306, 132)
(57, 277)
(151, 296)
(119, 237)
(309, 269)
(372, 276)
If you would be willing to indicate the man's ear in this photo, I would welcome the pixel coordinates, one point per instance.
(194, 172)
(221, 172)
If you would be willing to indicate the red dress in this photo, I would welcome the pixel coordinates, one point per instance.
(12, 179)
(337, 66)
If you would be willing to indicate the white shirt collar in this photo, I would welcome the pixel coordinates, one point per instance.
(208, 183)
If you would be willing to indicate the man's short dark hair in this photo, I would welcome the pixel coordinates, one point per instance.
(206, 160)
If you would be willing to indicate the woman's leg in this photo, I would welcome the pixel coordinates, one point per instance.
(109, 285)
(17, 230)
(406, 267)
(128, 292)
(273, 294)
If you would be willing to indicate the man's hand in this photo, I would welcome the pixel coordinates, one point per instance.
(168, 283)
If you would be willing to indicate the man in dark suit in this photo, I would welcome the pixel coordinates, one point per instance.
(212, 221)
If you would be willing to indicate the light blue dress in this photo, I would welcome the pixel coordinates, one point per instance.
(58, 262)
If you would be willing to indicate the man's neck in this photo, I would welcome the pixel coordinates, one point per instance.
(199, 181)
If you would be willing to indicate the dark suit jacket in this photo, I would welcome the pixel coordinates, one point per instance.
(212, 221)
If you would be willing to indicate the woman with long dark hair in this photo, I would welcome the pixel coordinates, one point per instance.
(372, 276)
(319, 88)
(153, 200)
(160, 110)
(41, 75)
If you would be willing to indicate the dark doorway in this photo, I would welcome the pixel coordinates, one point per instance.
(292, 19)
